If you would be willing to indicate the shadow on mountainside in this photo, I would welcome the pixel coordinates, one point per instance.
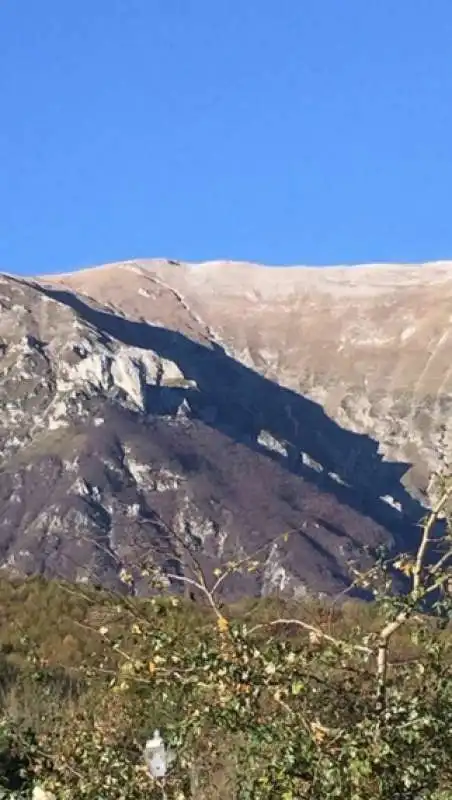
(235, 400)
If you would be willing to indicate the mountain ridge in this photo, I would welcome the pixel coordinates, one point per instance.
(382, 367)
(194, 384)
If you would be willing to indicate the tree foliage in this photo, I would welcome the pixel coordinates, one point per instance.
(280, 706)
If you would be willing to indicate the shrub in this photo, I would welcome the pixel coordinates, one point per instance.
(258, 704)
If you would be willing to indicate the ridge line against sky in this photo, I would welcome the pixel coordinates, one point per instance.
(443, 264)
(314, 132)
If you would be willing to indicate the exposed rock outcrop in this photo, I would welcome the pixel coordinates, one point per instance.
(170, 412)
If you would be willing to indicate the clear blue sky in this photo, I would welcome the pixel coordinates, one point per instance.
(281, 131)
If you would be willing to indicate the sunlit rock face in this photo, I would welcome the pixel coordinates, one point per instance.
(168, 413)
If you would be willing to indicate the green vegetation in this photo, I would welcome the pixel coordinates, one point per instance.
(266, 699)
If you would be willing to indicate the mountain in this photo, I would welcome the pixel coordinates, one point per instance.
(192, 413)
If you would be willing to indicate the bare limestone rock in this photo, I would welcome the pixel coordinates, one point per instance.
(158, 412)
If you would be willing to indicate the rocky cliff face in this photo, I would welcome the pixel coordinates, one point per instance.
(153, 410)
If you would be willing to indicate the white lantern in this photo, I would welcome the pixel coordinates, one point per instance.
(41, 794)
(157, 757)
